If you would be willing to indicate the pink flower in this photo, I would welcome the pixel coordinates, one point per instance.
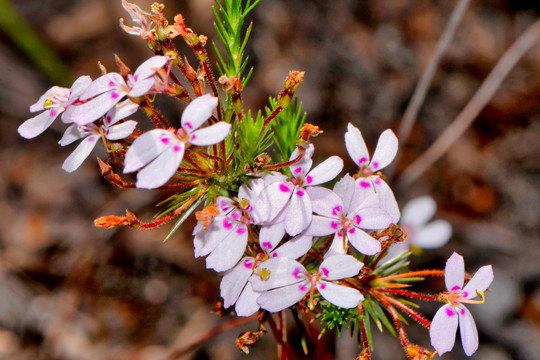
(385, 152)
(159, 152)
(110, 88)
(92, 133)
(445, 323)
(284, 282)
(54, 102)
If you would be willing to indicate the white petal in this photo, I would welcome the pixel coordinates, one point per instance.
(141, 87)
(338, 295)
(418, 211)
(148, 67)
(121, 131)
(454, 272)
(102, 84)
(339, 267)
(468, 331)
(363, 242)
(252, 192)
(371, 219)
(299, 213)
(442, 331)
(229, 251)
(39, 105)
(356, 146)
(325, 202)
(294, 248)
(271, 235)
(94, 109)
(271, 201)
(160, 170)
(79, 86)
(302, 167)
(279, 299)
(431, 236)
(197, 112)
(146, 148)
(321, 226)
(234, 280)
(206, 241)
(336, 248)
(246, 305)
(38, 124)
(344, 188)
(72, 133)
(120, 111)
(479, 282)
(282, 272)
(387, 199)
(325, 171)
(210, 135)
(81, 152)
(385, 151)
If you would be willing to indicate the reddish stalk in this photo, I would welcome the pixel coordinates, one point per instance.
(272, 115)
(366, 350)
(405, 308)
(420, 273)
(410, 294)
(171, 215)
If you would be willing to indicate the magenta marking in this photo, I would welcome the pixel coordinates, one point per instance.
(188, 125)
(108, 119)
(177, 148)
(297, 170)
(303, 288)
(274, 254)
(114, 95)
(362, 160)
(375, 165)
(284, 188)
(91, 138)
(241, 231)
(334, 225)
(450, 312)
(267, 245)
(456, 288)
(325, 271)
(336, 210)
(223, 204)
(193, 136)
(248, 264)
(465, 294)
(296, 272)
(322, 286)
(108, 132)
(462, 311)
(53, 112)
(309, 179)
(351, 230)
(357, 219)
(236, 216)
(227, 224)
(300, 193)
(111, 83)
(165, 140)
(365, 184)
(377, 181)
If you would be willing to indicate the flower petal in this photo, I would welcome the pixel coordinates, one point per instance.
(339, 295)
(161, 169)
(325, 171)
(271, 235)
(479, 282)
(325, 202)
(363, 242)
(442, 331)
(234, 280)
(55, 90)
(38, 124)
(246, 305)
(284, 297)
(146, 148)
(294, 248)
(336, 248)
(79, 86)
(371, 219)
(81, 152)
(120, 111)
(229, 251)
(321, 226)
(356, 146)
(281, 271)
(468, 331)
(385, 151)
(210, 135)
(339, 267)
(206, 241)
(72, 134)
(431, 236)
(301, 168)
(344, 188)
(103, 84)
(298, 213)
(147, 68)
(141, 87)
(271, 201)
(94, 109)
(197, 112)
(121, 131)
(387, 199)
(454, 272)
(418, 211)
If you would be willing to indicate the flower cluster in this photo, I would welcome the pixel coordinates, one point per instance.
(281, 233)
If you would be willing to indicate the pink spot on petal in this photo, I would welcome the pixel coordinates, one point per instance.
(165, 140)
(284, 188)
(193, 137)
(357, 219)
(362, 160)
(462, 311)
(241, 231)
(91, 138)
(248, 264)
(177, 148)
(188, 125)
(114, 95)
(309, 179)
(365, 184)
(325, 271)
(375, 165)
(108, 132)
(111, 83)
(351, 230)
(322, 286)
(377, 181)
(296, 273)
(334, 225)
(465, 294)
(300, 193)
(223, 204)
(267, 245)
(303, 288)
(336, 210)
(108, 119)
(297, 170)
(456, 288)
(53, 112)
(227, 224)
(275, 254)
(236, 216)
(450, 312)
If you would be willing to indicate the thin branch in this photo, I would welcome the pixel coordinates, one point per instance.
(420, 92)
(472, 109)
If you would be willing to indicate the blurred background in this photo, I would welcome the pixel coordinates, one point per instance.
(70, 291)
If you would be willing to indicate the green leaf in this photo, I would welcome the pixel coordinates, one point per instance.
(183, 218)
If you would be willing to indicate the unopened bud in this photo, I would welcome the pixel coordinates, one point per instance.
(416, 352)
